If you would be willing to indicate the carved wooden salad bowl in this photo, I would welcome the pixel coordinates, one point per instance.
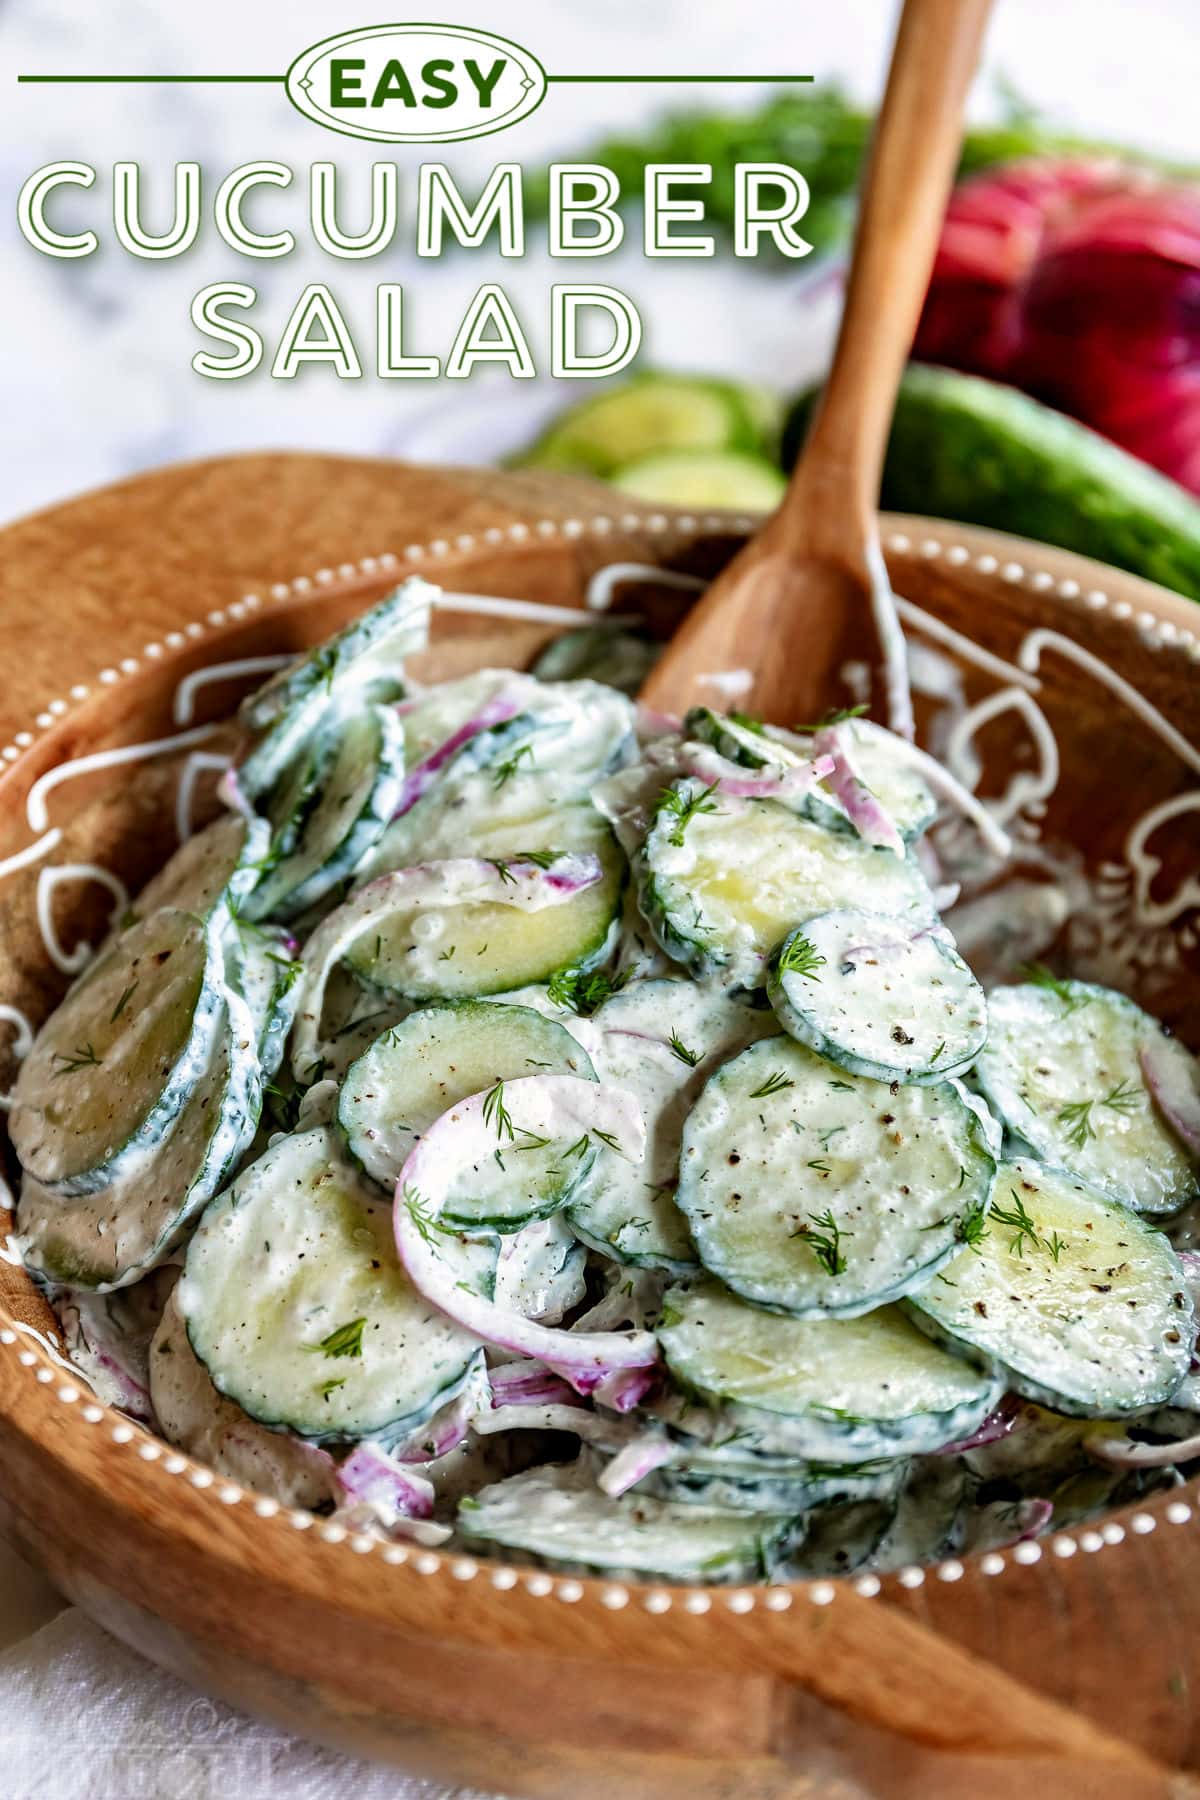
(136, 619)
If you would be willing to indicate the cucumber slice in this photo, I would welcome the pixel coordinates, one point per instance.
(878, 760)
(442, 1054)
(114, 1236)
(745, 1488)
(560, 1516)
(820, 1193)
(1061, 1068)
(1082, 1305)
(835, 1390)
(876, 754)
(650, 413)
(703, 478)
(541, 1271)
(193, 1415)
(463, 949)
(365, 658)
(296, 1305)
(660, 1039)
(722, 881)
(929, 1522)
(267, 974)
(215, 867)
(349, 790)
(841, 1539)
(604, 653)
(508, 784)
(113, 1067)
(882, 998)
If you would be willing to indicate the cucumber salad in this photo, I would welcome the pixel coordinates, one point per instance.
(522, 1121)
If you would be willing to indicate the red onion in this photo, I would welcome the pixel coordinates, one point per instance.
(871, 821)
(372, 1478)
(421, 777)
(542, 1106)
(997, 1425)
(1080, 282)
(1166, 1074)
(649, 1451)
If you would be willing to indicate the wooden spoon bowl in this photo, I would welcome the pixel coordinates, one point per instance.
(1066, 688)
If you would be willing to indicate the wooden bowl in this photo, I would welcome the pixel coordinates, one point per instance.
(1073, 1659)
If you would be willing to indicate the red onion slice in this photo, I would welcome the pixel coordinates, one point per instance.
(1176, 1097)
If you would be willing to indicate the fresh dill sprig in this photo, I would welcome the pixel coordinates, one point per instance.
(496, 1113)
(345, 1341)
(418, 1211)
(1038, 975)
(680, 1049)
(447, 954)
(824, 1235)
(839, 716)
(582, 992)
(331, 1387)
(84, 1058)
(971, 1231)
(122, 1003)
(505, 770)
(1026, 1231)
(774, 1084)
(502, 869)
(606, 1137)
(797, 956)
(683, 808)
(1077, 1116)
(748, 722)
(1124, 1098)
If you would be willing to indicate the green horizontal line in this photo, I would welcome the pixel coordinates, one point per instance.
(279, 79)
(720, 78)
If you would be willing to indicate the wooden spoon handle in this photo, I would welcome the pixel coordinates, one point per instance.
(913, 157)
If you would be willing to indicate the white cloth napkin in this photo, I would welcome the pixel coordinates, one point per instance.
(83, 1718)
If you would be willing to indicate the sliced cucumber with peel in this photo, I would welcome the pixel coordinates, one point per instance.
(295, 1303)
(744, 1487)
(559, 1515)
(442, 1054)
(113, 1067)
(1078, 1302)
(878, 996)
(832, 1390)
(820, 1193)
(364, 660)
(722, 888)
(113, 1236)
(351, 786)
(660, 1039)
(216, 866)
(459, 951)
(1062, 1069)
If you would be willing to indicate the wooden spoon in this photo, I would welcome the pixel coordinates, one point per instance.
(805, 608)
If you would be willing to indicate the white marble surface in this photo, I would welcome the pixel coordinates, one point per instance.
(96, 382)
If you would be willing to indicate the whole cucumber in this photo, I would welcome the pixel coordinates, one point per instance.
(973, 450)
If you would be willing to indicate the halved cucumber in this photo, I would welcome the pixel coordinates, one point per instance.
(881, 997)
(460, 950)
(820, 1193)
(296, 1304)
(730, 478)
(560, 1515)
(112, 1068)
(837, 1390)
(661, 1039)
(218, 864)
(721, 881)
(365, 658)
(1061, 1069)
(353, 776)
(442, 1054)
(192, 1414)
(652, 412)
(112, 1237)
(1075, 1299)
